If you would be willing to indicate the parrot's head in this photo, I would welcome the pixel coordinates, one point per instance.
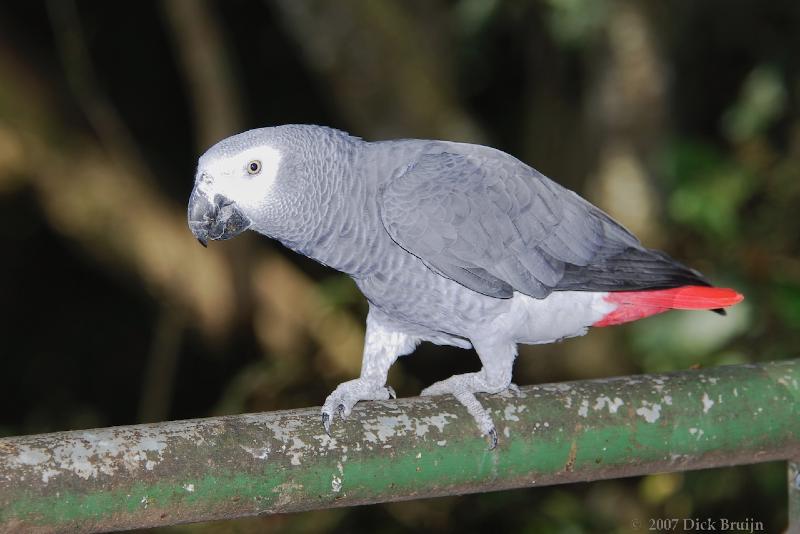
(234, 185)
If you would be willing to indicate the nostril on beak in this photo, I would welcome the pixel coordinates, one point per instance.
(221, 202)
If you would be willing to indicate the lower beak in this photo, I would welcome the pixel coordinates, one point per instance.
(215, 219)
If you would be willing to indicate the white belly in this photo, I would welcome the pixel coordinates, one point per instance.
(562, 314)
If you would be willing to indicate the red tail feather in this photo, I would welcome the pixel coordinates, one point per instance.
(634, 305)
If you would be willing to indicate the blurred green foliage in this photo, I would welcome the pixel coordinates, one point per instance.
(708, 190)
(573, 22)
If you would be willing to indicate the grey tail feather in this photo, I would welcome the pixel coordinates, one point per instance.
(632, 269)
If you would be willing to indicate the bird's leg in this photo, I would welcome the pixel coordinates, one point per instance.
(382, 346)
(494, 377)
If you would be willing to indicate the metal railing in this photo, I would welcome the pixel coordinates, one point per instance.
(227, 467)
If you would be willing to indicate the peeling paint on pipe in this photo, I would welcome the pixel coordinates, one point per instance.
(227, 467)
(794, 495)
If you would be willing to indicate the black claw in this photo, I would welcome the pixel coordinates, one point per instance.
(326, 423)
(492, 439)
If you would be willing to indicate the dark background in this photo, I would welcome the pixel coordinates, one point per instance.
(679, 118)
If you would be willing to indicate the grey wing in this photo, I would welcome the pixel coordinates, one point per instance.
(497, 226)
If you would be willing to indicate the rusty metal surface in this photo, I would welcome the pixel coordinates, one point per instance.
(184, 471)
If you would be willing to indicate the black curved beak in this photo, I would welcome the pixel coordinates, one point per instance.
(215, 219)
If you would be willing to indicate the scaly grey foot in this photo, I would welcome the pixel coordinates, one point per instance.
(513, 388)
(347, 394)
(463, 388)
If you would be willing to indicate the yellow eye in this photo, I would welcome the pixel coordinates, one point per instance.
(254, 167)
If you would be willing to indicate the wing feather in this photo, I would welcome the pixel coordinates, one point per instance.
(495, 225)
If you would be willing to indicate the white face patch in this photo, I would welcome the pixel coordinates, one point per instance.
(230, 177)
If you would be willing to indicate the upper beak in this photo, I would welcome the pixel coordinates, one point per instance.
(216, 219)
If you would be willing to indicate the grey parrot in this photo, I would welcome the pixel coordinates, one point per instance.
(452, 243)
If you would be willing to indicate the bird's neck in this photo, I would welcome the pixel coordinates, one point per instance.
(335, 223)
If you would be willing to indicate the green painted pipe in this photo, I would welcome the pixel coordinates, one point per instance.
(226, 467)
(794, 495)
